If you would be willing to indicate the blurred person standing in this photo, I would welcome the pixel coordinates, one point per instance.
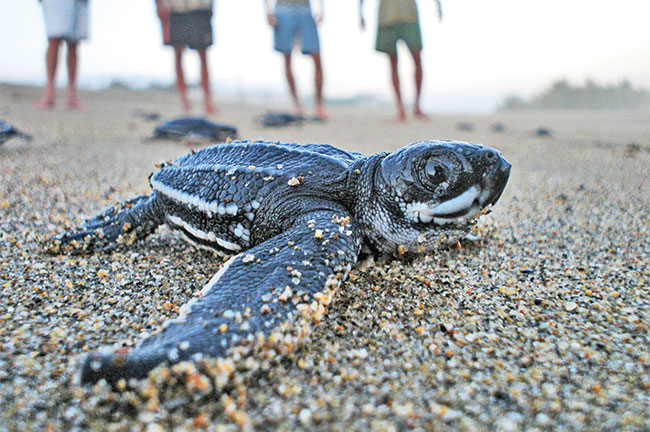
(65, 20)
(188, 23)
(293, 19)
(398, 19)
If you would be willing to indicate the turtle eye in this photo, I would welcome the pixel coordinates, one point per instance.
(436, 172)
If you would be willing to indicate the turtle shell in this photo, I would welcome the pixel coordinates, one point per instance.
(188, 127)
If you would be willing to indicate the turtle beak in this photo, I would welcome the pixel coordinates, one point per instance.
(500, 176)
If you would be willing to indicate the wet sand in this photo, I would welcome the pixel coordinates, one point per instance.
(543, 325)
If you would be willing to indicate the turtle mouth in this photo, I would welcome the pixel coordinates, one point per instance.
(460, 210)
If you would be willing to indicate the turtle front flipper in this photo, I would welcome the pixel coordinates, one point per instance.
(264, 298)
(122, 223)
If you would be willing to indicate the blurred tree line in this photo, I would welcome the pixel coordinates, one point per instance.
(562, 95)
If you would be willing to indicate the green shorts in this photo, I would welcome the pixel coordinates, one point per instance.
(388, 35)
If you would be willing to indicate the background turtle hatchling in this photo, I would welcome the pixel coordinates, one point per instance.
(194, 129)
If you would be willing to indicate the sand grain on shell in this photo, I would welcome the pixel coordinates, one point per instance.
(543, 325)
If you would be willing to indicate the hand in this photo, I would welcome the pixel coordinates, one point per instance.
(319, 18)
(362, 23)
(273, 21)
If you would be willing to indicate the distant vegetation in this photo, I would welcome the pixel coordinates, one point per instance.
(562, 95)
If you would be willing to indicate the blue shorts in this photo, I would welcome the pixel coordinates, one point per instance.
(66, 19)
(293, 23)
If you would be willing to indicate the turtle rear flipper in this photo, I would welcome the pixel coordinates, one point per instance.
(123, 223)
(264, 298)
(8, 131)
(23, 135)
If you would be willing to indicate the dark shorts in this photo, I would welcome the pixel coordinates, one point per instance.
(388, 35)
(191, 28)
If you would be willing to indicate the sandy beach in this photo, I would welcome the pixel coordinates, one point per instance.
(542, 325)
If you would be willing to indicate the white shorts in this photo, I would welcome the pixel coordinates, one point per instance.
(66, 19)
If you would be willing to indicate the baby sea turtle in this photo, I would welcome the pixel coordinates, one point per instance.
(7, 131)
(272, 119)
(296, 217)
(465, 126)
(194, 128)
(543, 132)
(498, 127)
(278, 119)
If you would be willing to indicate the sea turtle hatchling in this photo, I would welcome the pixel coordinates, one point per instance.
(7, 131)
(273, 119)
(194, 129)
(281, 119)
(296, 218)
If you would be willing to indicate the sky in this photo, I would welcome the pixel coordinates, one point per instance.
(481, 52)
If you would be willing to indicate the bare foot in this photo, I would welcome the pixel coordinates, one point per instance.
(210, 108)
(46, 103)
(71, 100)
(298, 110)
(72, 103)
(419, 114)
(401, 117)
(321, 114)
(186, 105)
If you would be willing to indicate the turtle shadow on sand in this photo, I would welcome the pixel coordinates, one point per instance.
(146, 115)
(295, 218)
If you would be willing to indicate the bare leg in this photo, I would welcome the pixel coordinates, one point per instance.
(180, 78)
(205, 82)
(318, 77)
(72, 102)
(417, 60)
(292, 83)
(48, 100)
(401, 114)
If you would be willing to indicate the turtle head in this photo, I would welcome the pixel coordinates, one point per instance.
(432, 188)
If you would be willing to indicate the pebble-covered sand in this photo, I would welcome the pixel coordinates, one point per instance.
(542, 325)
